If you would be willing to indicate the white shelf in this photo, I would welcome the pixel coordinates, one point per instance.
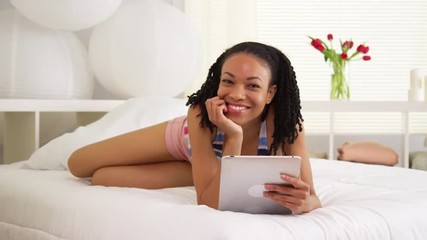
(363, 106)
(57, 105)
(333, 107)
(21, 126)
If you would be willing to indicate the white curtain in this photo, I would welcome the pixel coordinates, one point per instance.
(220, 24)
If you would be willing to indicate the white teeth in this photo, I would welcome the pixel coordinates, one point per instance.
(237, 108)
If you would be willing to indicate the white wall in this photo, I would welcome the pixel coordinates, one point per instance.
(54, 125)
(84, 35)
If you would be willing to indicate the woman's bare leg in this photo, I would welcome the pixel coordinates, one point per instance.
(144, 146)
(148, 176)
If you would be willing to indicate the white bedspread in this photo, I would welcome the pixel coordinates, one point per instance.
(359, 202)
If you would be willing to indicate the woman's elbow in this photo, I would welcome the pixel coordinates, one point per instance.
(207, 201)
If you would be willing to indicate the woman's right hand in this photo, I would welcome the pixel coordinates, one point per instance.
(216, 109)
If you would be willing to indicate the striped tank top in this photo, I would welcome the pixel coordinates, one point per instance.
(218, 142)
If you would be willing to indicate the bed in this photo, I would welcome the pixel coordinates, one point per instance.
(40, 199)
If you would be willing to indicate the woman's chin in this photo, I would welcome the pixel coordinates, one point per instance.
(238, 117)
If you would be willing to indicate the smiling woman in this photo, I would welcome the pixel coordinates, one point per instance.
(248, 105)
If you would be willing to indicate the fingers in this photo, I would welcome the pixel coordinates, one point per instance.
(285, 198)
(295, 204)
(296, 183)
(215, 108)
(284, 190)
(292, 195)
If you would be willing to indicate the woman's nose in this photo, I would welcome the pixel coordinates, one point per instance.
(238, 93)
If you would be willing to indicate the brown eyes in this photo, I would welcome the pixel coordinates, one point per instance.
(249, 85)
(226, 81)
(254, 86)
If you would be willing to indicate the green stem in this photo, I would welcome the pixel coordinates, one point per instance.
(339, 82)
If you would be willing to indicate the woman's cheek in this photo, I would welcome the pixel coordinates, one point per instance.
(220, 93)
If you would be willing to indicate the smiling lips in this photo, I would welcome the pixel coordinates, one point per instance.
(236, 108)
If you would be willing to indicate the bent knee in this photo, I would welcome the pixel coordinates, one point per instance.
(76, 167)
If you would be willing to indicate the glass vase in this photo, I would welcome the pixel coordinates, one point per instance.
(340, 88)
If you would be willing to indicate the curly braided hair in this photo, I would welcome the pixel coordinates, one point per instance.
(286, 102)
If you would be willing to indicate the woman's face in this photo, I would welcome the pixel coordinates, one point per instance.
(245, 87)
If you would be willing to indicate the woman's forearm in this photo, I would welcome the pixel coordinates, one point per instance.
(209, 196)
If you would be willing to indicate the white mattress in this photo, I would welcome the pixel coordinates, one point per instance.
(359, 202)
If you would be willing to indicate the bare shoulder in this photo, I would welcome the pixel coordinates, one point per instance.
(193, 111)
(194, 116)
(298, 147)
(196, 131)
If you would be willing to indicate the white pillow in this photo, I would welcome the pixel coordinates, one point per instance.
(133, 114)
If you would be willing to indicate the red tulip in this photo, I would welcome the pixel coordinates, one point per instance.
(363, 49)
(317, 43)
(330, 37)
(348, 44)
(344, 56)
(366, 58)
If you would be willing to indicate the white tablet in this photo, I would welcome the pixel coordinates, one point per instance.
(243, 178)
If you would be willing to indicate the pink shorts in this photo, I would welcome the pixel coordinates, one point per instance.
(176, 138)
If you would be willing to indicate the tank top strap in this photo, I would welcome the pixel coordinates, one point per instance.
(218, 143)
(263, 148)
